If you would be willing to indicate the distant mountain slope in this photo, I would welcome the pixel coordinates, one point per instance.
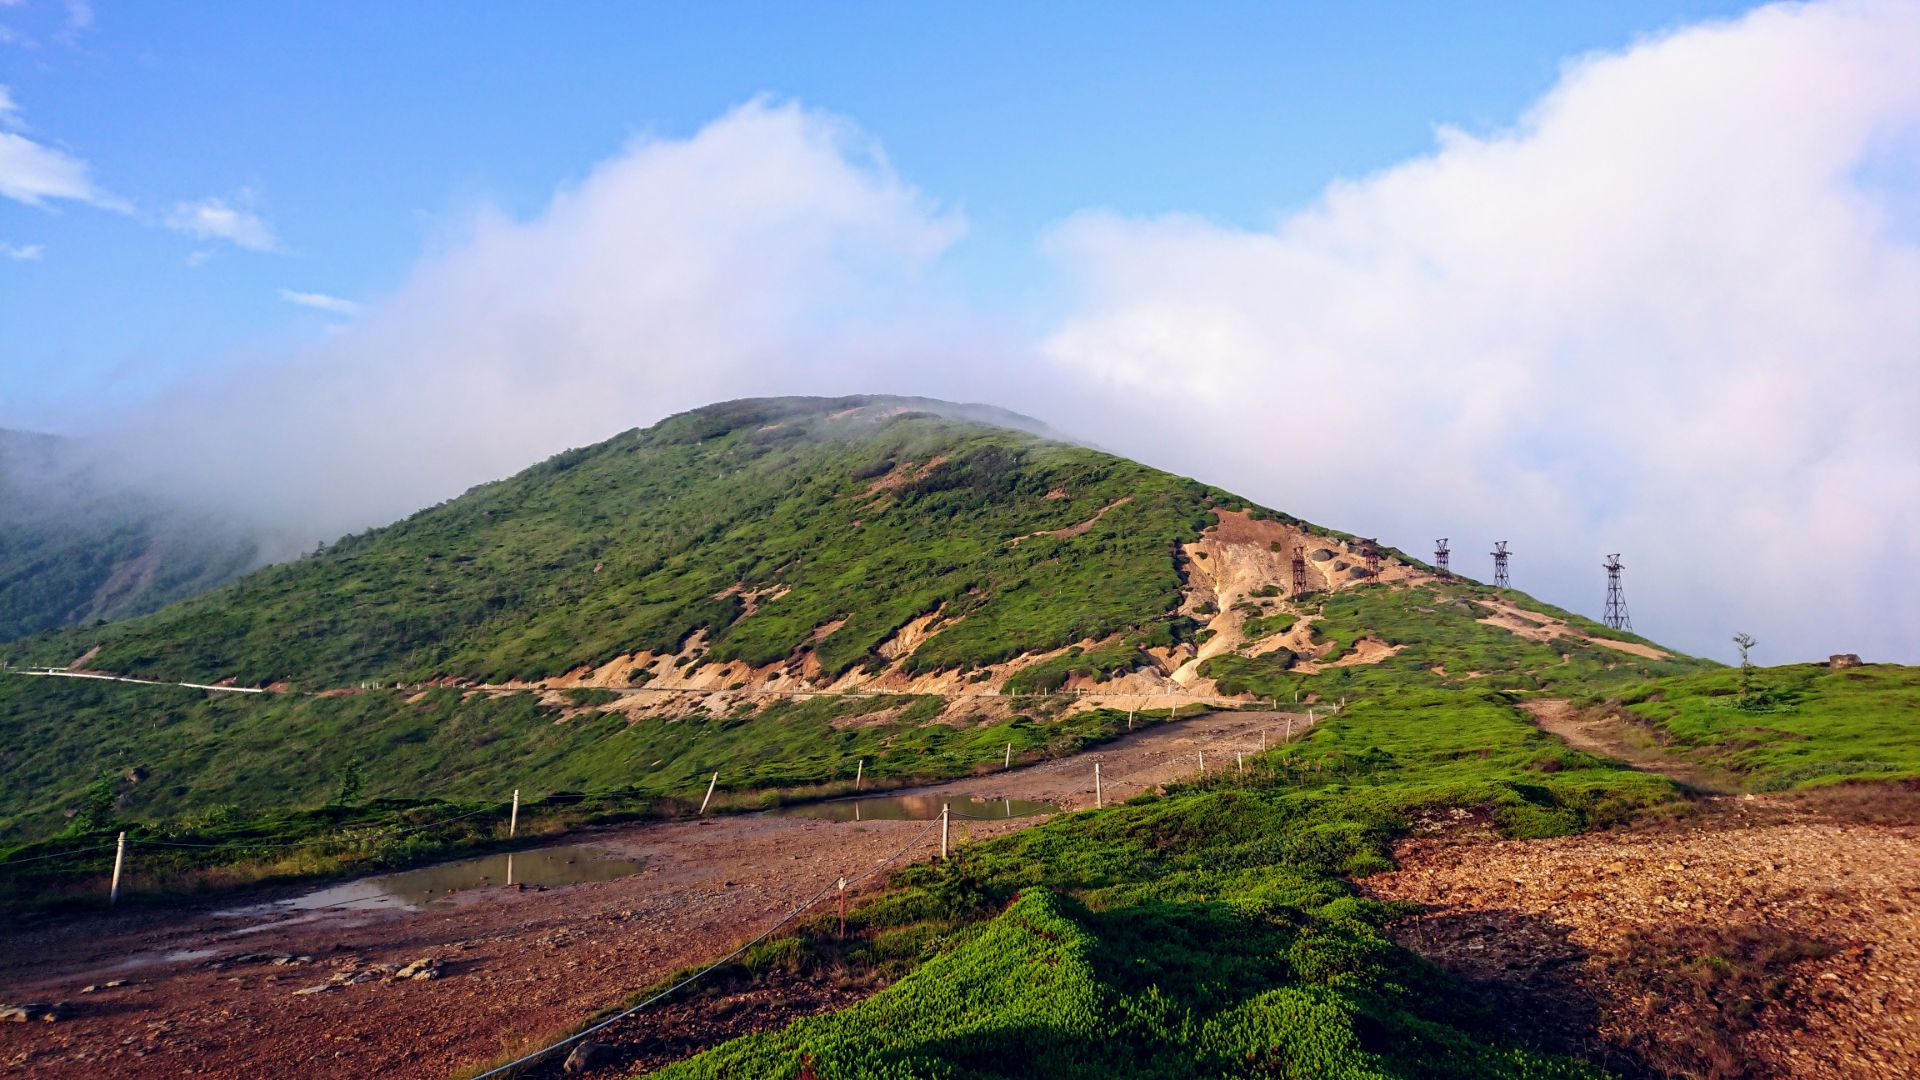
(74, 550)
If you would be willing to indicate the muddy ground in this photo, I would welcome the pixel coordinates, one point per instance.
(208, 991)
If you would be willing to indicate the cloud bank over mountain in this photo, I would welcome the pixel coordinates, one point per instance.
(1671, 311)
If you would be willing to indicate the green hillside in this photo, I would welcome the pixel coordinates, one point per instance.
(74, 550)
(866, 510)
(845, 518)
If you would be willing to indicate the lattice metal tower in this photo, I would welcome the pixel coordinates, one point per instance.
(1299, 572)
(1440, 557)
(1370, 548)
(1500, 565)
(1616, 617)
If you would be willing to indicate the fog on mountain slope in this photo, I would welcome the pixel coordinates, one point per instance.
(78, 547)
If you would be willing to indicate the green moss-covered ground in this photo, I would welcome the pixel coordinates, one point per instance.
(1799, 725)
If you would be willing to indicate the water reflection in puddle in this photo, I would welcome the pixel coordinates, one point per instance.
(915, 808)
(565, 865)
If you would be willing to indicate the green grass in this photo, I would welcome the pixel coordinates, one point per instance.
(194, 753)
(1802, 725)
(1208, 933)
(639, 541)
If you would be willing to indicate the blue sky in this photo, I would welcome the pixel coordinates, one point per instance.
(1635, 276)
(355, 132)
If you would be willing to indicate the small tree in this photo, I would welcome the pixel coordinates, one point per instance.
(97, 813)
(1745, 643)
(351, 781)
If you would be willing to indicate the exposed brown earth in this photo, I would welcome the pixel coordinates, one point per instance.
(1599, 731)
(516, 966)
(1760, 938)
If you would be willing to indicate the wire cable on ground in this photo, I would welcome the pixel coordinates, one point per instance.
(762, 936)
(10, 863)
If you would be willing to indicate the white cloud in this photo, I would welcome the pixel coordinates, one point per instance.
(1665, 314)
(217, 219)
(320, 302)
(198, 258)
(35, 174)
(772, 251)
(22, 252)
(79, 15)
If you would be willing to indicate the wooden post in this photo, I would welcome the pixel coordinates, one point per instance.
(711, 784)
(119, 860)
(859, 773)
(1129, 719)
(843, 907)
(945, 811)
(1203, 762)
(1289, 729)
(1009, 762)
(513, 818)
(1240, 762)
(1099, 800)
(1263, 740)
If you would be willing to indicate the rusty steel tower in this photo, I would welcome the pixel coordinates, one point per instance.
(1440, 557)
(1616, 617)
(1500, 565)
(1370, 549)
(1299, 572)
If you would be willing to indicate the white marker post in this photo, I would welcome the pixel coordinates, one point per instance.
(946, 811)
(859, 773)
(1203, 762)
(1240, 762)
(711, 784)
(1098, 799)
(1009, 762)
(513, 817)
(1289, 729)
(119, 860)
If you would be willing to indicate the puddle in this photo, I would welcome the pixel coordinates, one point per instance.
(567, 864)
(915, 808)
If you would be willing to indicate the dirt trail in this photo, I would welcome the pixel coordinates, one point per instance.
(1765, 938)
(517, 964)
(1612, 737)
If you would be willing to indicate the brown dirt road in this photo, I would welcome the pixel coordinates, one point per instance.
(517, 965)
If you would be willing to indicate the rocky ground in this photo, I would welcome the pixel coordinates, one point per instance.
(206, 991)
(1762, 937)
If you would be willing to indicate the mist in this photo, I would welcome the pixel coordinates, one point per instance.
(1669, 312)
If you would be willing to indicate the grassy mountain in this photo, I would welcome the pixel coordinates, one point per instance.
(75, 550)
(861, 543)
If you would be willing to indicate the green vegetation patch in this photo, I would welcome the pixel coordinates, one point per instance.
(1436, 627)
(1796, 726)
